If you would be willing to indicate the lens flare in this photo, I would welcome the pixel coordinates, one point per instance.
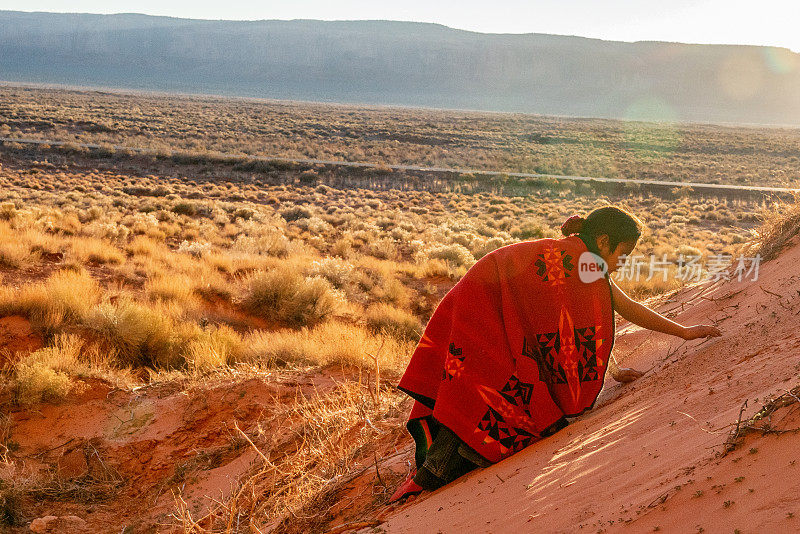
(781, 60)
(651, 109)
(651, 132)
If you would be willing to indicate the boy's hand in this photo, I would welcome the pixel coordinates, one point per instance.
(701, 330)
(625, 374)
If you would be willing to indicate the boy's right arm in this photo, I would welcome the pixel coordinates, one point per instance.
(645, 317)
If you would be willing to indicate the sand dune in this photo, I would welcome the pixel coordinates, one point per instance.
(650, 456)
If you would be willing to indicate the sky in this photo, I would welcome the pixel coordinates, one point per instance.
(764, 22)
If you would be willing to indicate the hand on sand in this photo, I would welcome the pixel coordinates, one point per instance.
(626, 374)
(701, 330)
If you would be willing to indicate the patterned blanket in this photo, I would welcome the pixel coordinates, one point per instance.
(518, 344)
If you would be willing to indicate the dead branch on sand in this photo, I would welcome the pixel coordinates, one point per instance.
(761, 421)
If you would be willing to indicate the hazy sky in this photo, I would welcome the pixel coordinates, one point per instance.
(765, 22)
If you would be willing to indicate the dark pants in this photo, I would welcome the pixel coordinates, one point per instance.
(448, 457)
(445, 461)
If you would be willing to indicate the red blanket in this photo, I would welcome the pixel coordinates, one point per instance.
(519, 343)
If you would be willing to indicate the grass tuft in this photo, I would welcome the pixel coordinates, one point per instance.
(66, 298)
(328, 343)
(42, 376)
(213, 349)
(778, 226)
(285, 296)
(143, 336)
(384, 318)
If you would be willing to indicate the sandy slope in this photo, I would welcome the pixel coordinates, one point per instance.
(648, 458)
(137, 440)
(120, 455)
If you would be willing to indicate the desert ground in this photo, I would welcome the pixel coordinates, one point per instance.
(204, 127)
(197, 341)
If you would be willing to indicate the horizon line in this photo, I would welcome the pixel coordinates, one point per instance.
(402, 22)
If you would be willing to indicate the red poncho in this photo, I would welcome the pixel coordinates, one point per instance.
(516, 345)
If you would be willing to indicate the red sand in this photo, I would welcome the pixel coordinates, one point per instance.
(16, 338)
(647, 458)
(153, 440)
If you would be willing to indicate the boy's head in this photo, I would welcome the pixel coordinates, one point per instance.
(613, 230)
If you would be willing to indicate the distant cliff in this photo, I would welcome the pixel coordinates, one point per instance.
(405, 63)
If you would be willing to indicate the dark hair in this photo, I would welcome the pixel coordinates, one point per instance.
(619, 225)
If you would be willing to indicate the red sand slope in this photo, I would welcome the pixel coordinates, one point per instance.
(648, 457)
(148, 442)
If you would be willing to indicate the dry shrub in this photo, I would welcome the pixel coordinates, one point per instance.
(529, 230)
(384, 318)
(778, 226)
(43, 375)
(336, 271)
(384, 249)
(67, 297)
(169, 287)
(16, 254)
(762, 420)
(285, 296)
(7, 211)
(454, 254)
(393, 292)
(328, 343)
(433, 269)
(314, 225)
(213, 348)
(143, 336)
(194, 248)
(12, 496)
(482, 247)
(296, 213)
(271, 242)
(143, 246)
(93, 250)
(342, 248)
(328, 435)
(107, 230)
(186, 208)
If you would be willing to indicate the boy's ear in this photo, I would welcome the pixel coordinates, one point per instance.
(603, 242)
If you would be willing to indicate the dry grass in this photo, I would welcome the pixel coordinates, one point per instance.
(93, 250)
(386, 319)
(44, 375)
(286, 297)
(291, 491)
(214, 348)
(164, 270)
(16, 255)
(64, 299)
(328, 343)
(140, 334)
(761, 421)
(778, 226)
(167, 288)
